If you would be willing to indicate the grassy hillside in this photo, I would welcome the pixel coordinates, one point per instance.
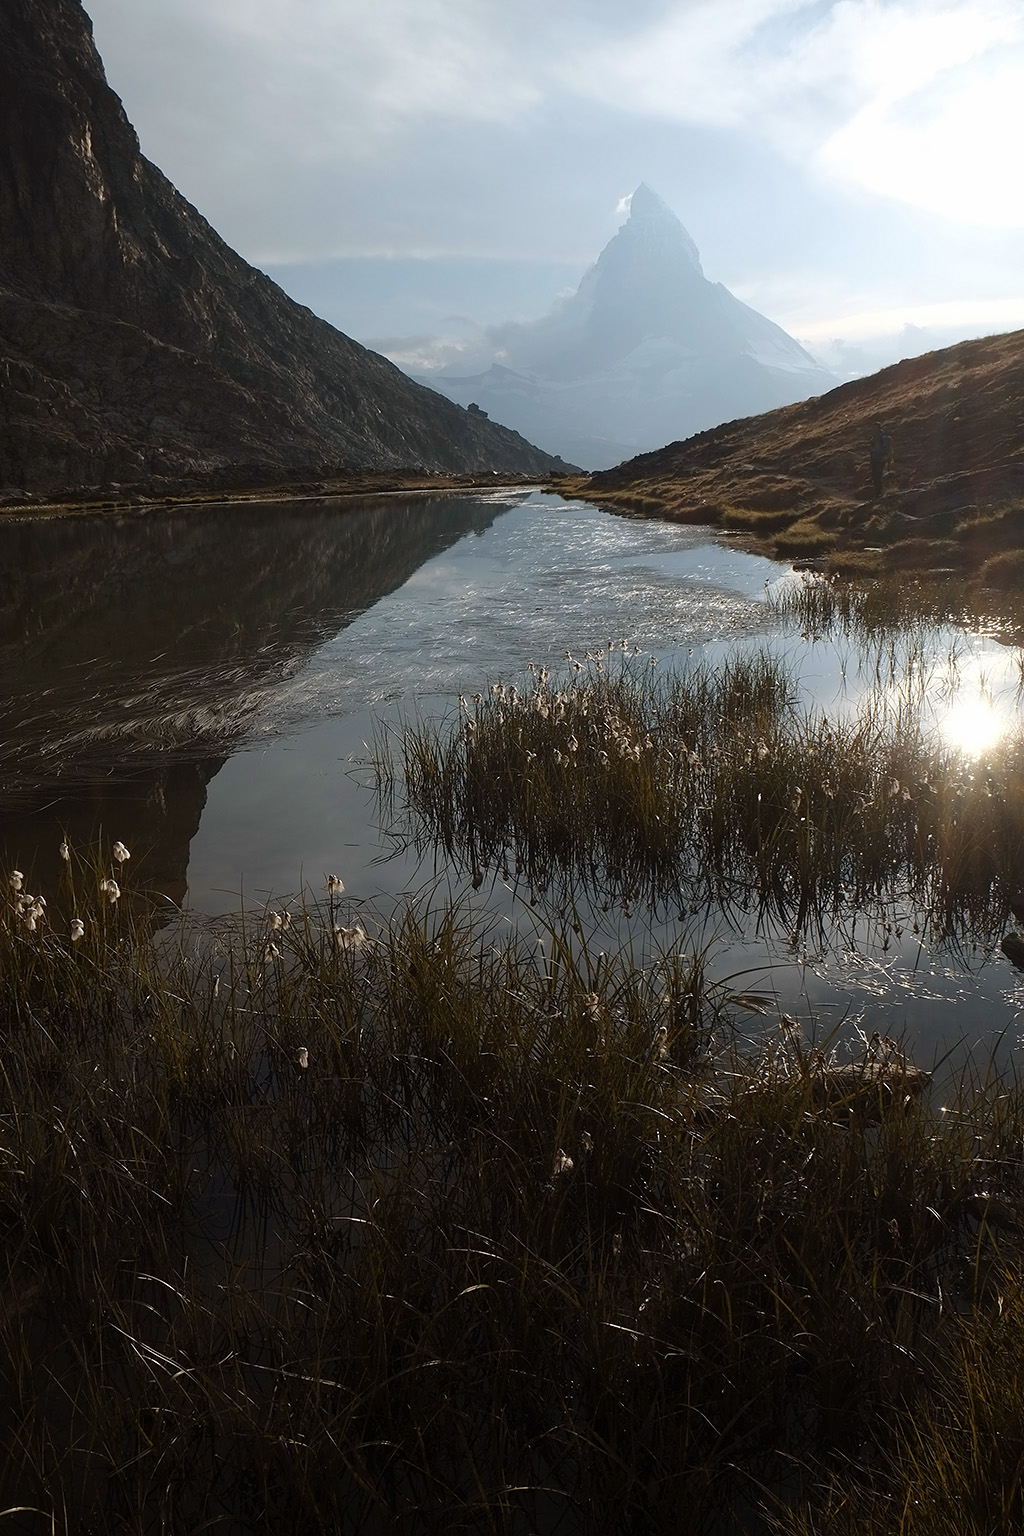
(800, 477)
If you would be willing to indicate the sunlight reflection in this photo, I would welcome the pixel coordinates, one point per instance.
(974, 725)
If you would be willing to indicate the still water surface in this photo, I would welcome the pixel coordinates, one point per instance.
(206, 683)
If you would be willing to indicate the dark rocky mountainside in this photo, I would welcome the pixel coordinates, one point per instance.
(136, 347)
(952, 496)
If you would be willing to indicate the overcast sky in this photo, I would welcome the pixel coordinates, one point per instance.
(420, 167)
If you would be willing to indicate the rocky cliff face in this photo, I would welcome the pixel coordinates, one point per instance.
(135, 346)
(646, 350)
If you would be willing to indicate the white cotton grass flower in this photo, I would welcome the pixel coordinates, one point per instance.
(270, 953)
(30, 909)
(350, 936)
(120, 852)
(563, 1164)
(335, 885)
(111, 890)
(15, 879)
(77, 929)
(279, 921)
(65, 852)
(302, 1058)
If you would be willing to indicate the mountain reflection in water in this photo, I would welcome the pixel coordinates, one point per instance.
(136, 649)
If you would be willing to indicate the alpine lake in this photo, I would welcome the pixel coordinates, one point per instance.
(219, 689)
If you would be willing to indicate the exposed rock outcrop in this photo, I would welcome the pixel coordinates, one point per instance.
(136, 346)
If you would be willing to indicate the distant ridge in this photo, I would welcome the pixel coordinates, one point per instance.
(645, 351)
(951, 499)
(135, 346)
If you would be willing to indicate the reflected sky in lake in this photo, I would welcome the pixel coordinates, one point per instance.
(544, 577)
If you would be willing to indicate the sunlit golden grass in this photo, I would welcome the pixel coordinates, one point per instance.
(806, 539)
(431, 1232)
(1004, 571)
(717, 786)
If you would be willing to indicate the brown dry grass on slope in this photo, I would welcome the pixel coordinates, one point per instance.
(800, 477)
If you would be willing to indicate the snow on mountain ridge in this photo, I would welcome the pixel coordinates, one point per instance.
(647, 350)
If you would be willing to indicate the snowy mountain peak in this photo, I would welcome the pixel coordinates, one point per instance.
(646, 351)
(651, 221)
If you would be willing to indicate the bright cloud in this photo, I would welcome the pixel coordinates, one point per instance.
(918, 100)
(954, 149)
(965, 316)
(338, 75)
(706, 62)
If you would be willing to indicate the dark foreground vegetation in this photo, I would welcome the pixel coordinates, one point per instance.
(322, 1229)
(319, 1222)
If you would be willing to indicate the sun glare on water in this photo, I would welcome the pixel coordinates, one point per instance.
(975, 725)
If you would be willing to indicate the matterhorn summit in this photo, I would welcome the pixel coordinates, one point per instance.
(646, 351)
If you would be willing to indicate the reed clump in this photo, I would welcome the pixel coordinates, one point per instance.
(316, 1222)
(714, 785)
(872, 611)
